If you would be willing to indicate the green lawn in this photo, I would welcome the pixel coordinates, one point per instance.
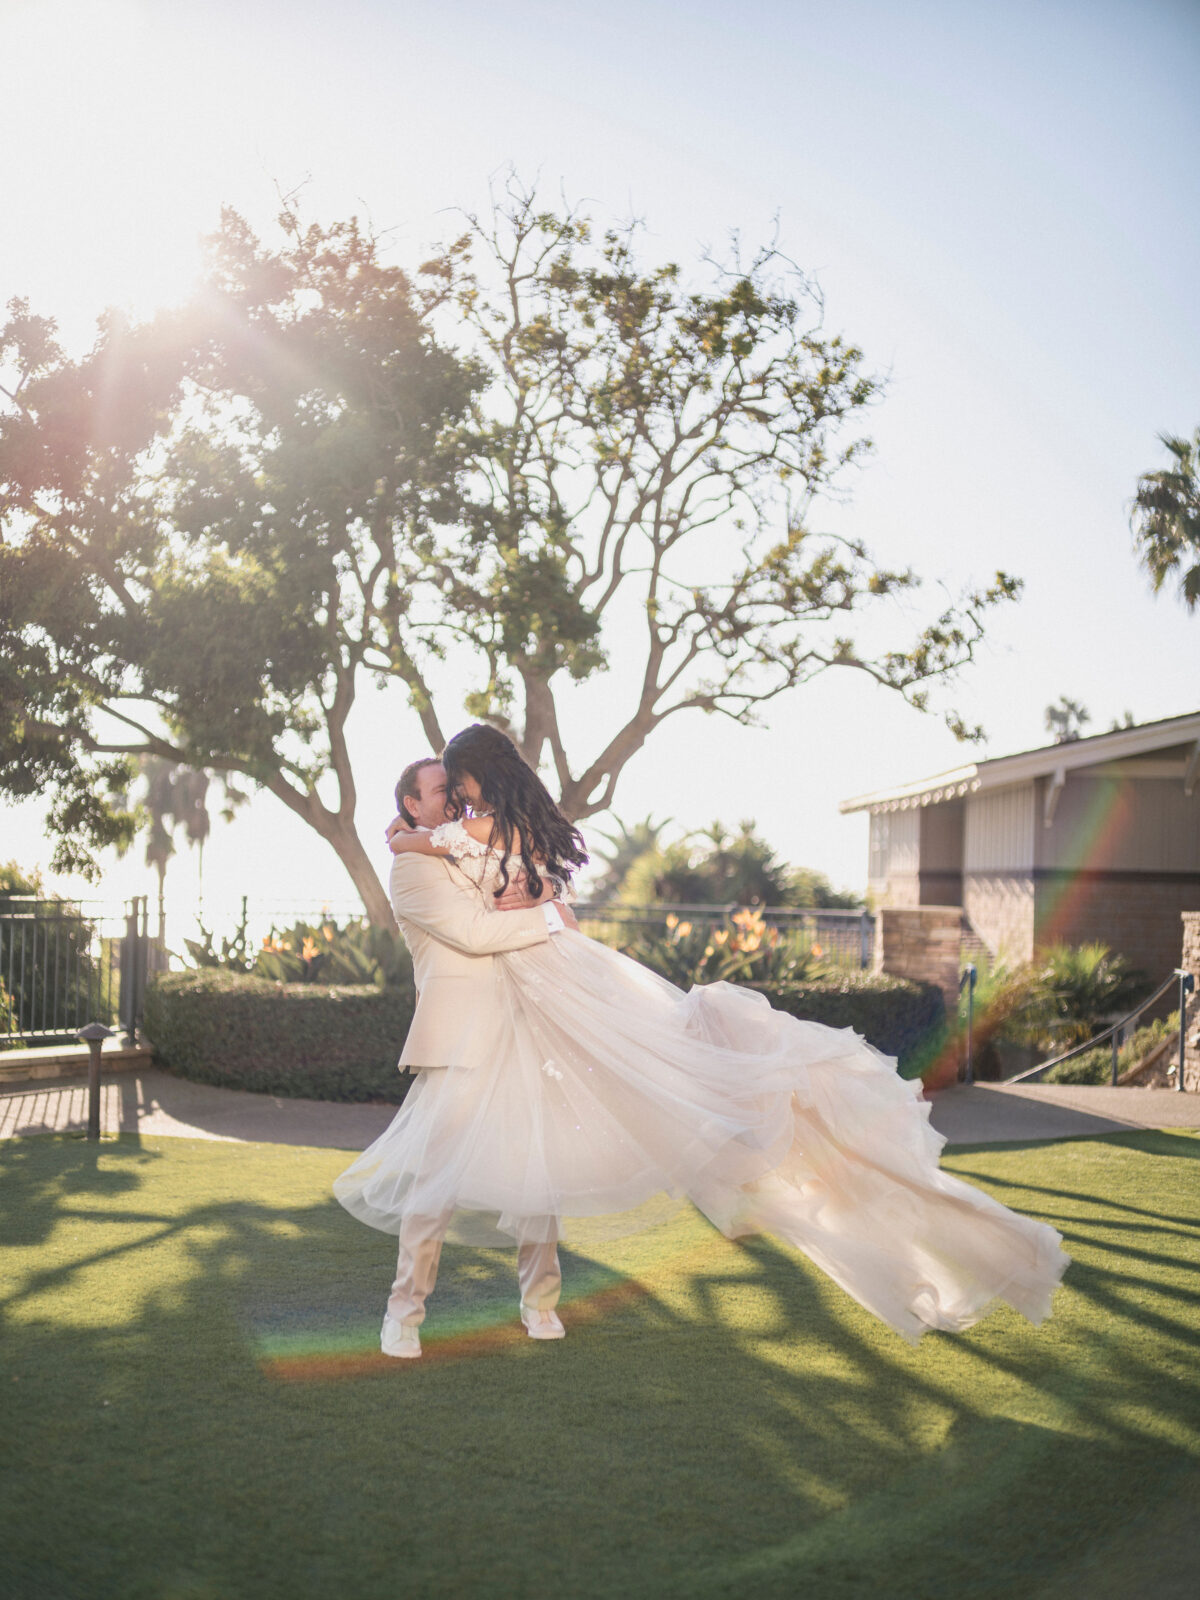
(195, 1405)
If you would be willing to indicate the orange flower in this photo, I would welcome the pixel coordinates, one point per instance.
(327, 930)
(683, 930)
(272, 944)
(308, 949)
(672, 920)
(817, 951)
(720, 935)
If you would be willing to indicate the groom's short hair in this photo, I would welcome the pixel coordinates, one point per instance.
(409, 786)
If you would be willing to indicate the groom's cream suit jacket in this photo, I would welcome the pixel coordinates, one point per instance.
(454, 938)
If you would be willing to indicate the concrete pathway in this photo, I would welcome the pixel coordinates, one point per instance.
(154, 1102)
(992, 1113)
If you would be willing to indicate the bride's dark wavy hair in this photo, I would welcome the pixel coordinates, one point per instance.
(519, 802)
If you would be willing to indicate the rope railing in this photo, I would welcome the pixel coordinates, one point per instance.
(1186, 983)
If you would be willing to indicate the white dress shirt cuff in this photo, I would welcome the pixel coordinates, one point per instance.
(554, 921)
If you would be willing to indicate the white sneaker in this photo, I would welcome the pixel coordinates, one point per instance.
(399, 1339)
(542, 1324)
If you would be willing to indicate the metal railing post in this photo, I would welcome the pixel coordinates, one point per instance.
(1187, 984)
(968, 980)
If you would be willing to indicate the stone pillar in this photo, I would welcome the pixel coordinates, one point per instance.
(1190, 962)
(924, 943)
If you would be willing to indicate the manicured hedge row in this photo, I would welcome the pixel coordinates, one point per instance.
(342, 1043)
(896, 1015)
(309, 1040)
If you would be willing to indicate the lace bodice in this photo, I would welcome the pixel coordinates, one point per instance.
(480, 862)
(477, 860)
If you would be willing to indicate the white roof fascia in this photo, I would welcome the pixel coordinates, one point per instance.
(945, 786)
(1002, 772)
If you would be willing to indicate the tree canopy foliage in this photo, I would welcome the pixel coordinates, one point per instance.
(715, 866)
(206, 524)
(531, 456)
(1166, 519)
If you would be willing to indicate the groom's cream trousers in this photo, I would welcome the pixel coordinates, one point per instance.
(538, 1271)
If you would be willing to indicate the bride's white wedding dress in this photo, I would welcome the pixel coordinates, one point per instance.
(608, 1086)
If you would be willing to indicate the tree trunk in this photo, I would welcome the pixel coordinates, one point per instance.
(337, 829)
(357, 863)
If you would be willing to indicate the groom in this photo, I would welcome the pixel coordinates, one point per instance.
(454, 939)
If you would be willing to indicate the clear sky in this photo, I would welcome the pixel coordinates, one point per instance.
(999, 202)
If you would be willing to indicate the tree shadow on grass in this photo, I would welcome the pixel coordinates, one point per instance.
(721, 1419)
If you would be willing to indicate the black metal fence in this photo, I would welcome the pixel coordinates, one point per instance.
(846, 938)
(66, 963)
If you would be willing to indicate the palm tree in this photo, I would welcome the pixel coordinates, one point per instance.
(1166, 518)
(175, 796)
(1066, 719)
(628, 844)
(1071, 991)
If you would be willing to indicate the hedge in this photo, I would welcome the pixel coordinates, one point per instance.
(897, 1015)
(342, 1043)
(311, 1040)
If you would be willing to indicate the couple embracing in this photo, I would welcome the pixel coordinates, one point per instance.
(556, 1078)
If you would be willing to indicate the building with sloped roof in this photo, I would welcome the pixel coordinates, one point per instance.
(1093, 839)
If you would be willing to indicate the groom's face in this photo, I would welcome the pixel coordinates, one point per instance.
(429, 807)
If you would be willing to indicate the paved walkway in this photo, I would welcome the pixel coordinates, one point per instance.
(155, 1102)
(992, 1113)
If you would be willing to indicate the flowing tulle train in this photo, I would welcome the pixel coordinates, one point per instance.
(609, 1086)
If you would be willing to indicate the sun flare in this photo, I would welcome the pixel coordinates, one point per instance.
(127, 120)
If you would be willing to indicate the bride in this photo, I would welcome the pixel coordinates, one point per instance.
(608, 1085)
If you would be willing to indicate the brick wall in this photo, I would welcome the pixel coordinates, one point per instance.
(921, 942)
(1190, 962)
(1137, 916)
(999, 907)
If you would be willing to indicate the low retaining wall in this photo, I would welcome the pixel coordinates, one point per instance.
(70, 1061)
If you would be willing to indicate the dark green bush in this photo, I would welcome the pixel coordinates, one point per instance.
(896, 1015)
(304, 1039)
(325, 1043)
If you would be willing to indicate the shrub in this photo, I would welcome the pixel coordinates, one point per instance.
(326, 1043)
(1070, 992)
(1095, 1066)
(311, 952)
(1061, 998)
(303, 1039)
(898, 1016)
(8, 1022)
(745, 952)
